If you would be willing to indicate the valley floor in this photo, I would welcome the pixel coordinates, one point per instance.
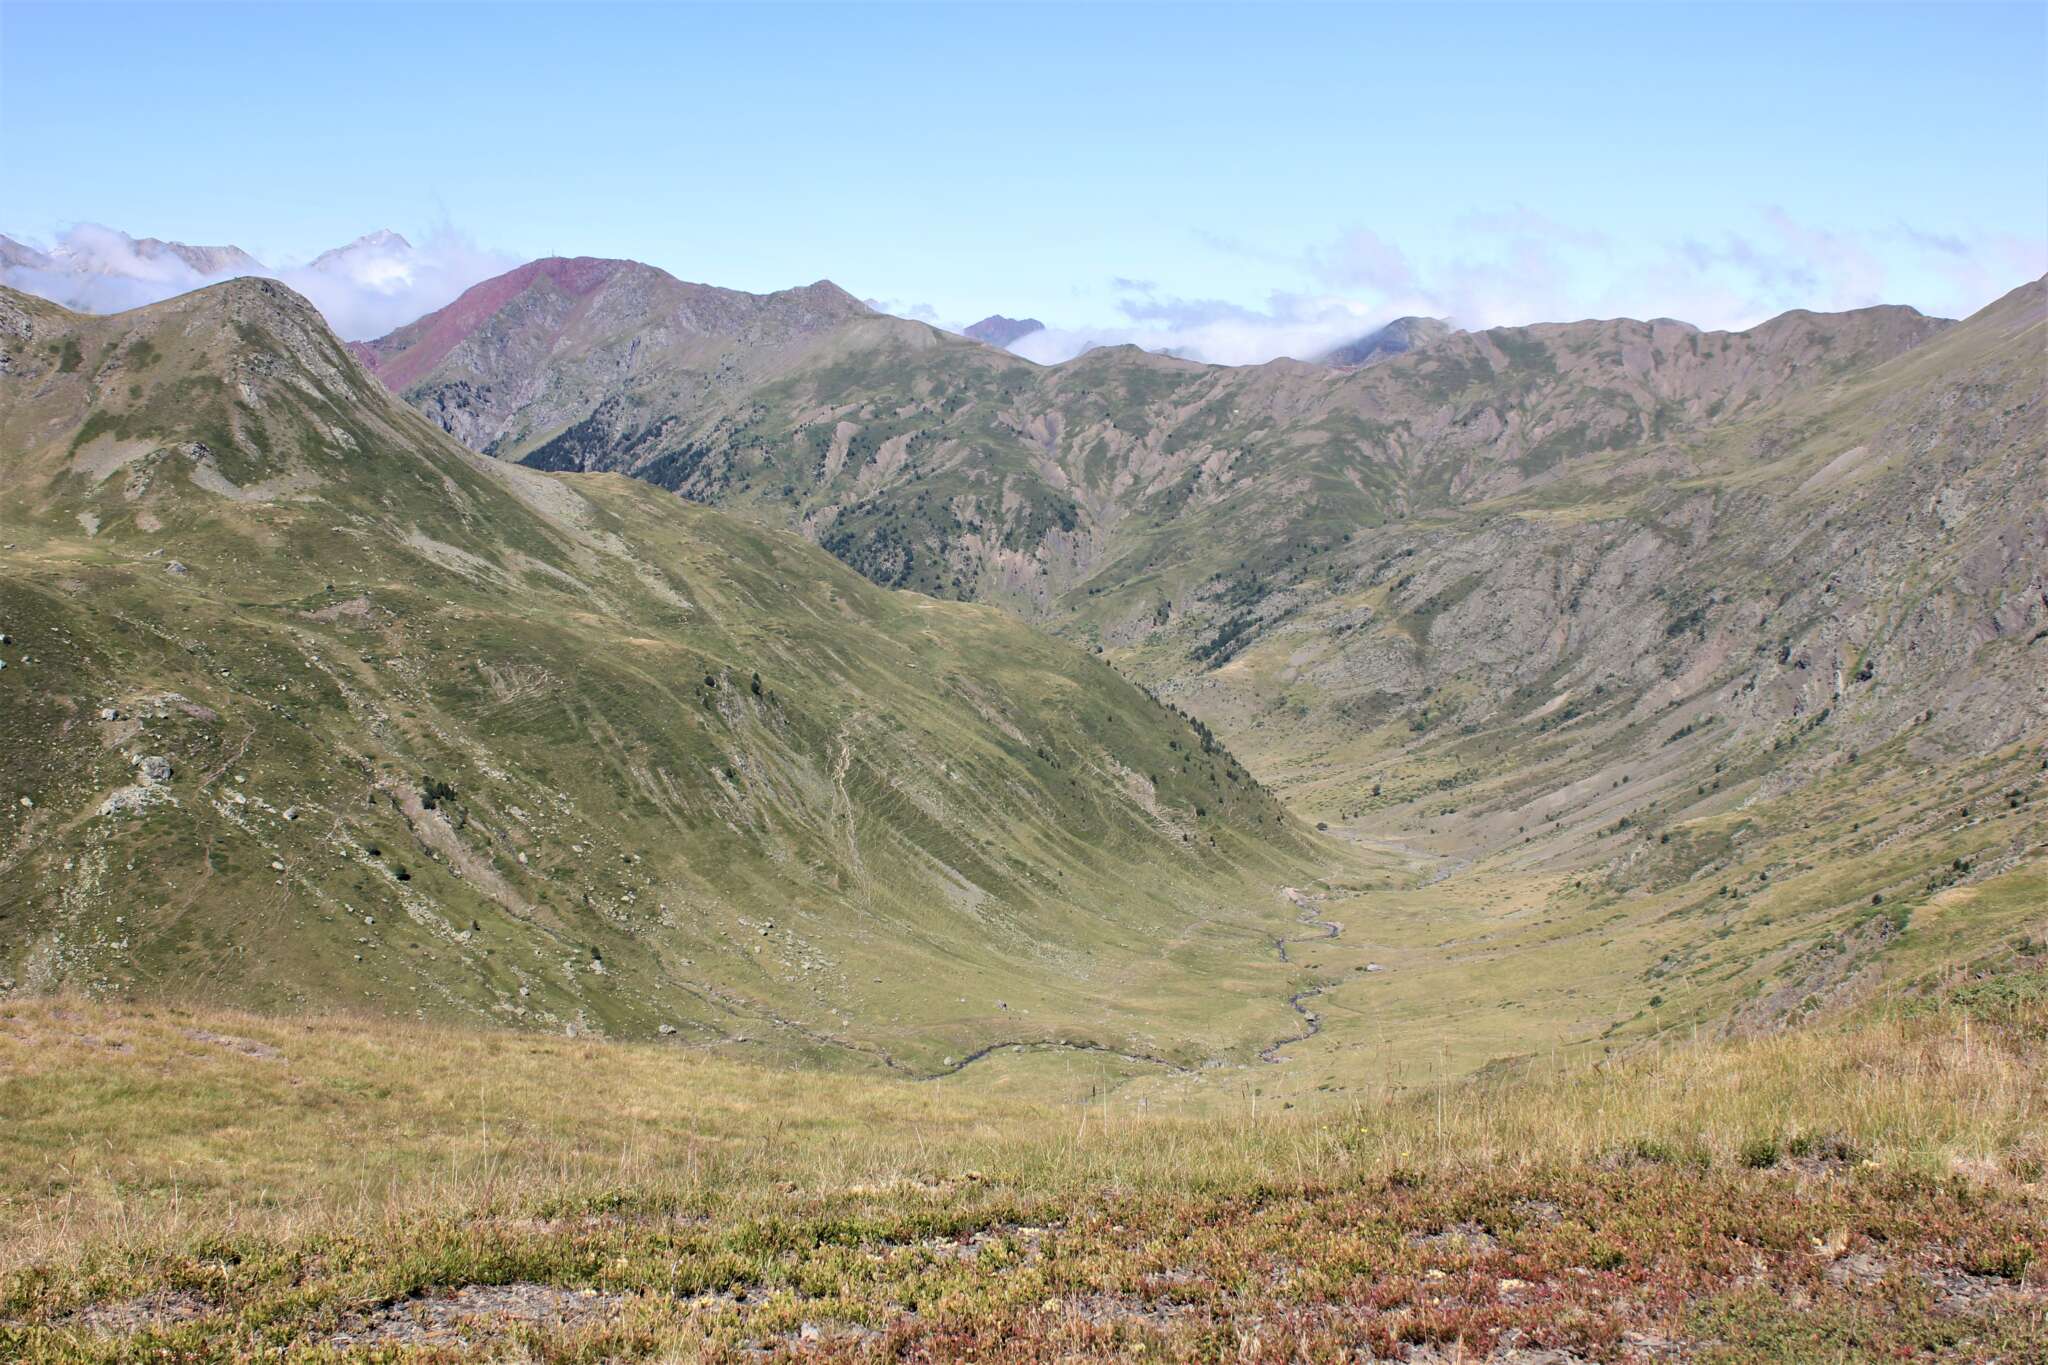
(196, 1185)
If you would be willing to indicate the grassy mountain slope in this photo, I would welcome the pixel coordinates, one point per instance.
(1644, 664)
(449, 736)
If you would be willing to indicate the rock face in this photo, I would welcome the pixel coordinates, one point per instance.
(999, 331)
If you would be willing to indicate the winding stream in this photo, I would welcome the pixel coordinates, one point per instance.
(1312, 1023)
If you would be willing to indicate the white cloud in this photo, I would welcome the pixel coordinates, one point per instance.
(1302, 325)
(365, 289)
(382, 281)
(916, 312)
(1515, 266)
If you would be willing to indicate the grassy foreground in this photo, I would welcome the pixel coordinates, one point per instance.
(187, 1184)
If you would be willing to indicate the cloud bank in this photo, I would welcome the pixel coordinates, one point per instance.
(365, 289)
(1517, 267)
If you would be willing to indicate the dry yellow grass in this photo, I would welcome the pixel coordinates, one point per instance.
(216, 1184)
(140, 1124)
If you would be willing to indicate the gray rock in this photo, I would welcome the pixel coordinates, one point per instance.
(154, 768)
(139, 797)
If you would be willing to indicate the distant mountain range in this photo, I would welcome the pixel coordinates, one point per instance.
(120, 255)
(1373, 544)
(101, 270)
(1395, 338)
(105, 253)
(364, 288)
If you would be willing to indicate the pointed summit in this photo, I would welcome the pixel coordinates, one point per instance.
(1399, 336)
(382, 242)
(575, 331)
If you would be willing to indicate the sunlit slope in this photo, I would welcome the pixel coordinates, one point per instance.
(451, 736)
(1853, 565)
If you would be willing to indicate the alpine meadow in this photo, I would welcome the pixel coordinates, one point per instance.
(1340, 802)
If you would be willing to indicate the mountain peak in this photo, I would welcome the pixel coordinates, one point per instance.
(829, 296)
(369, 244)
(1398, 336)
(997, 330)
(407, 354)
(563, 312)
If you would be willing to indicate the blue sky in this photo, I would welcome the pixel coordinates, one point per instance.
(1231, 179)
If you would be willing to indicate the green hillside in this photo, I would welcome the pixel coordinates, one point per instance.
(449, 737)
